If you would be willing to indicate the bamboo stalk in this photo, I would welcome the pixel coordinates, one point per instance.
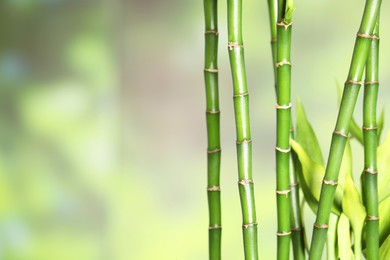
(244, 142)
(340, 134)
(283, 110)
(213, 128)
(296, 222)
(370, 147)
(273, 12)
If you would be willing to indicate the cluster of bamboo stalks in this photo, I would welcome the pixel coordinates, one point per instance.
(290, 229)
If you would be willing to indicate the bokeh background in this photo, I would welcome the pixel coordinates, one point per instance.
(102, 124)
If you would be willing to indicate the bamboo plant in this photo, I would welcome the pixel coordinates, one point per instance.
(283, 108)
(213, 128)
(340, 134)
(244, 141)
(296, 223)
(370, 137)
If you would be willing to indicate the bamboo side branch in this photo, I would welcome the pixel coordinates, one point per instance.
(213, 128)
(340, 134)
(370, 137)
(283, 114)
(244, 141)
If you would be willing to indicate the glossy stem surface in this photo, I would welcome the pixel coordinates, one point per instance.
(213, 128)
(340, 134)
(370, 137)
(244, 141)
(283, 117)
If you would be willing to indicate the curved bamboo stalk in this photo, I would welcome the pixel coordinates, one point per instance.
(273, 12)
(370, 148)
(213, 128)
(340, 134)
(244, 142)
(283, 109)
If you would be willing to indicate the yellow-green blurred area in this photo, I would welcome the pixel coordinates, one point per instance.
(102, 125)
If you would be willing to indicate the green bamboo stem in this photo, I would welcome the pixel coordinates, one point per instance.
(283, 110)
(296, 223)
(244, 142)
(340, 134)
(297, 231)
(213, 128)
(272, 11)
(370, 138)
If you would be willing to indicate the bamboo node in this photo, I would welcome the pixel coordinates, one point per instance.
(297, 229)
(283, 150)
(370, 171)
(354, 82)
(241, 95)
(372, 127)
(371, 82)
(246, 226)
(294, 184)
(244, 141)
(341, 134)
(212, 31)
(213, 111)
(214, 188)
(285, 25)
(367, 36)
(284, 233)
(274, 40)
(232, 45)
(281, 63)
(323, 226)
(246, 181)
(291, 129)
(216, 150)
(215, 227)
(330, 182)
(372, 218)
(283, 192)
(211, 70)
(283, 107)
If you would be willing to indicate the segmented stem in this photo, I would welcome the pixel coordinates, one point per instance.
(213, 128)
(283, 114)
(244, 142)
(370, 148)
(272, 11)
(340, 134)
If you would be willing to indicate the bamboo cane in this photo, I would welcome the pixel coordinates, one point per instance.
(213, 128)
(370, 147)
(244, 142)
(296, 223)
(283, 109)
(340, 134)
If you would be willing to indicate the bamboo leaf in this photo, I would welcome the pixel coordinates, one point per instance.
(310, 177)
(384, 250)
(305, 135)
(344, 238)
(384, 169)
(353, 208)
(384, 221)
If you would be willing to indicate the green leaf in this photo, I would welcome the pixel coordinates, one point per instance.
(384, 169)
(355, 211)
(331, 240)
(305, 135)
(344, 238)
(310, 176)
(384, 250)
(384, 220)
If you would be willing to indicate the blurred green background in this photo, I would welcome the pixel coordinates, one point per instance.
(102, 125)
